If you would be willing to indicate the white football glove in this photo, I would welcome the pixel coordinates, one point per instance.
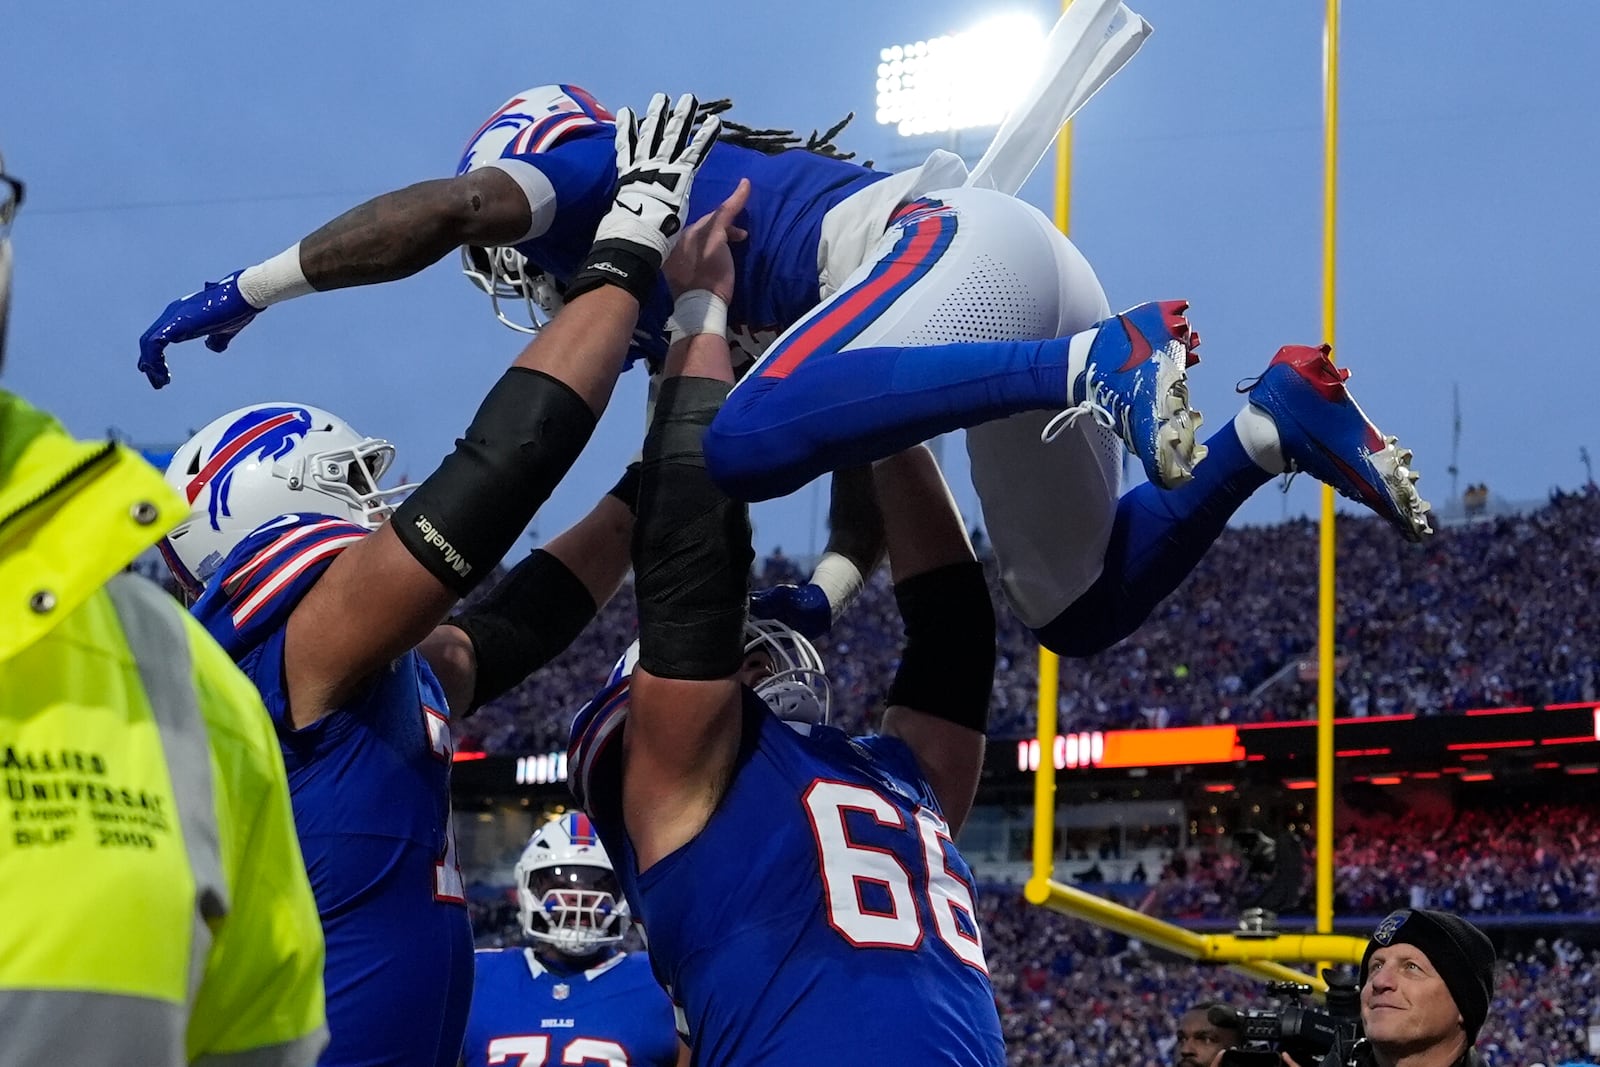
(656, 163)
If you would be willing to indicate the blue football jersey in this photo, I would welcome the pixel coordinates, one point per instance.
(370, 787)
(525, 1014)
(821, 916)
(776, 267)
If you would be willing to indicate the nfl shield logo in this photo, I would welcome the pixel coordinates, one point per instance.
(1386, 931)
(561, 991)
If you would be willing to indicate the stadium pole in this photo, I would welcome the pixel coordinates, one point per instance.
(1325, 583)
(1044, 780)
(1251, 954)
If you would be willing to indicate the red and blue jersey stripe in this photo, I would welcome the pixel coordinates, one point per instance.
(266, 575)
(927, 228)
(596, 724)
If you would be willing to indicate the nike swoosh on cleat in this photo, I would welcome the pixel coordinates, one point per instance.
(1377, 499)
(1139, 343)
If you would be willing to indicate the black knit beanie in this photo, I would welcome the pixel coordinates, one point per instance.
(1461, 953)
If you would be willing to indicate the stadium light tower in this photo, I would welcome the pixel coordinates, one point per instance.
(960, 81)
(957, 82)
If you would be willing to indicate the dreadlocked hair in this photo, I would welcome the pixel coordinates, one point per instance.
(772, 142)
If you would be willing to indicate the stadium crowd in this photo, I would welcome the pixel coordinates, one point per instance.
(1241, 623)
(1544, 859)
(1073, 995)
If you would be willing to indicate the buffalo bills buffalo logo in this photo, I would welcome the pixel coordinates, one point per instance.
(262, 434)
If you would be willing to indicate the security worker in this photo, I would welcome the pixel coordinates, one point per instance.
(156, 908)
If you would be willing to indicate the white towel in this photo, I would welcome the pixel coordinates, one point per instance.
(1091, 41)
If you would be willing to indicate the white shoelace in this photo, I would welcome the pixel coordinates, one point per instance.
(1092, 405)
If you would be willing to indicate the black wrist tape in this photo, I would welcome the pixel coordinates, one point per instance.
(627, 489)
(947, 668)
(626, 265)
(528, 619)
(466, 516)
(691, 544)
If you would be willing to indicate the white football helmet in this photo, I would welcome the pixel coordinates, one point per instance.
(792, 681)
(257, 463)
(567, 893)
(535, 120)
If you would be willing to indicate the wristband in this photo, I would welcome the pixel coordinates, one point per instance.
(696, 312)
(279, 278)
(839, 580)
(628, 265)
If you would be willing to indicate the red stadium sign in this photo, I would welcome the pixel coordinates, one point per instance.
(1176, 747)
(1395, 742)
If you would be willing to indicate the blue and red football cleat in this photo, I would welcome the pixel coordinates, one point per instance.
(1135, 381)
(1324, 432)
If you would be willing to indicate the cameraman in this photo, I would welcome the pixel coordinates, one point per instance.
(1204, 1031)
(1426, 980)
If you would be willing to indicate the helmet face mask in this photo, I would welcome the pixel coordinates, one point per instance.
(568, 898)
(793, 681)
(352, 474)
(256, 464)
(575, 910)
(507, 277)
(523, 296)
(780, 664)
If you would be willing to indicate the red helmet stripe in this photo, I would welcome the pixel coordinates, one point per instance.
(233, 448)
(590, 105)
(580, 829)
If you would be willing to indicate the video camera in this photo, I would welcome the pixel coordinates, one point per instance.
(1305, 1033)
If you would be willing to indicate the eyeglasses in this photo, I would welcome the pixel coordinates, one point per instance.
(11, 191)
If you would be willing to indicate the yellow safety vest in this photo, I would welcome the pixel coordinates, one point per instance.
(154, 907)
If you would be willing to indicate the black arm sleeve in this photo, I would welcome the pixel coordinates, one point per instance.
(467, 514)
(528, 619)
(691, 544)
(947, 668)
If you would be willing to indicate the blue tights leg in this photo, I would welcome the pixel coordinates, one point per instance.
(844, 409)
(1156, 540)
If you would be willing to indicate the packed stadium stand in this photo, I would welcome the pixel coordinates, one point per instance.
(1069, 993)
(1072, 994)
(1241, 626)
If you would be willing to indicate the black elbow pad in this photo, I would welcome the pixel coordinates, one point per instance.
(947, 668)
(528, 619)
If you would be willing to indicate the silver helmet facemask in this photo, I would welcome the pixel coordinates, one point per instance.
(509, 280)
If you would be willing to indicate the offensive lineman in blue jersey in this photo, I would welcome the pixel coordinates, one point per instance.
(331, 597)
(902, 307)
(573, 996)
(803, 898)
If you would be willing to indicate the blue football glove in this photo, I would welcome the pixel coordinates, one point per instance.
(805, 608)
(217, 313)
